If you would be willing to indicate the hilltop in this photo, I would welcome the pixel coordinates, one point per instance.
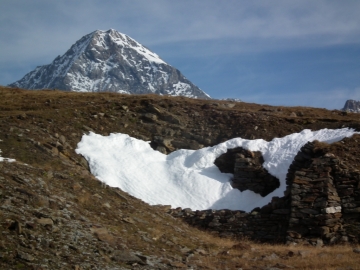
(55, 215)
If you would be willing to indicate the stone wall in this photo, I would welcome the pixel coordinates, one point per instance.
(249, 174)
(315, 204)
(321, 204)
(268, 224)
(325, 198)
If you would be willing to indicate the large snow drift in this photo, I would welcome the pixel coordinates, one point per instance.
(189, 178)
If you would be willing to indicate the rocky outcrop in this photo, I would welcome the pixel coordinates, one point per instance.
(249, 174)
(352, 106)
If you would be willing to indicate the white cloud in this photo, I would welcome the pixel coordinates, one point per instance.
(318, 21)
(51, 26)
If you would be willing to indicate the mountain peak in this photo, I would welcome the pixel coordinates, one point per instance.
(110, 61)
(124, 41)
(352, 106)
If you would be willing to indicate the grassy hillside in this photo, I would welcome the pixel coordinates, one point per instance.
(55, 215)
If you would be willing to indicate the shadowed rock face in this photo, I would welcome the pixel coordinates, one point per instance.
(248, 171)
(110, 61)
(352, 106)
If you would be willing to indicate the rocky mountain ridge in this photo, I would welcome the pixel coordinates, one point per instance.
(114, 62)
(352, 106)
(55, 215)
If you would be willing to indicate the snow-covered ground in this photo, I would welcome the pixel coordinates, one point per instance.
(189, 178)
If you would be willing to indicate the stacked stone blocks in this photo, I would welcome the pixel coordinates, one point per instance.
(321, 204)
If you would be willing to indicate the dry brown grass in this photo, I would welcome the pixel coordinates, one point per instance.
(14, 100)
(66, 113)
(247, 255)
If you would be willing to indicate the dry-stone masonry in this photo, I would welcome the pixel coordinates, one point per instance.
(315, 204)
(321, 204)
(248, 171)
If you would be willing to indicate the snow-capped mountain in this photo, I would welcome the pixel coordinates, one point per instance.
(352, 106)
(110, 61)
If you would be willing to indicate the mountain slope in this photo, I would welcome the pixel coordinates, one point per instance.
(110, 61)
(55, 215)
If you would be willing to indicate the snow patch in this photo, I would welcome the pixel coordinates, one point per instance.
(5, 159)
(182, 89)
(189, 178)
(123, 92)
(127, 42)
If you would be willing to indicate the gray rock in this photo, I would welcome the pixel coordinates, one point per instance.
(170, 118)
(352, 106)
(271, 257)
(25, 256)
(319, 243)
(125, 256)
(45, 221)
(166, 142)
(150, 117)
(161, 149)
(62, 139)
(304, 253)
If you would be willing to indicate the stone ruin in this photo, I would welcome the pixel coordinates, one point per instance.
(321, 204)
(248, 171)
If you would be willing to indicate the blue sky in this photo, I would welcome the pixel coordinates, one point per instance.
(279, 52)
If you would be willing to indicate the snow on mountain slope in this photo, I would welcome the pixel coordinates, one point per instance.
(189, 178)
(110, 61)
